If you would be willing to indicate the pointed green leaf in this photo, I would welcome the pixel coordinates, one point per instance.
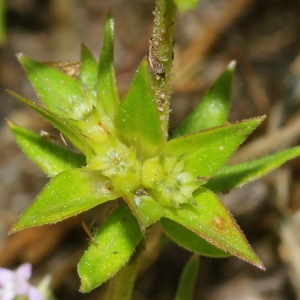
(89, 68)
(108, 99)
(209, 219)
(112, 247)
(73, 134)
(144, 207)
(190, 240)
(66, 195)
(213, 109)
(184, 5)
(61, 94)
(205, 152)
(230, 177)
(187, 283)
(51, 158)
(137, 119)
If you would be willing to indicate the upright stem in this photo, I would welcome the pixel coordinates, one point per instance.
(121, 285)
(2, 22)
(161, 57)
(160, 61)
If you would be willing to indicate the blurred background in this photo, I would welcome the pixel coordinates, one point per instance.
(264, 39)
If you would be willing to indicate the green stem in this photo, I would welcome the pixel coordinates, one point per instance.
(161, 57)
(121, 286)
(2, 22)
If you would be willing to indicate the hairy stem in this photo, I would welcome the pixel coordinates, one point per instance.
(160, 57)
(2, 22)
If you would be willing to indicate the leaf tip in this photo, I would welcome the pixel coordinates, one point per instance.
(11, 125)
(12, 93)
(19, 55)
(8, 122)
(84, 286)
(263, 117)
(20, 225)
(10, 232)
(109, 12)
(260, 265)
(109, 17)
(13, 230)
(231, 66)
(255, 261)
(260, 118)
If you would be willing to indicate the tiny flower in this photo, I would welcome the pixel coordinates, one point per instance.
(15, 283)
(166, 178)
(120, 165)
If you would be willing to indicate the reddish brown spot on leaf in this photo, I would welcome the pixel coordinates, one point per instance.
(219, 223)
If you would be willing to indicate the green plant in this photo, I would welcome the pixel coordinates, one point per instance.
(2, 22)
(124, 152)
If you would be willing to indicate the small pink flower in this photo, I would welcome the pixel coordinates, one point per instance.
(15, 283)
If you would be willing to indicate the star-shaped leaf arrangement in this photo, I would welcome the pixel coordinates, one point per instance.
(123, 153)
